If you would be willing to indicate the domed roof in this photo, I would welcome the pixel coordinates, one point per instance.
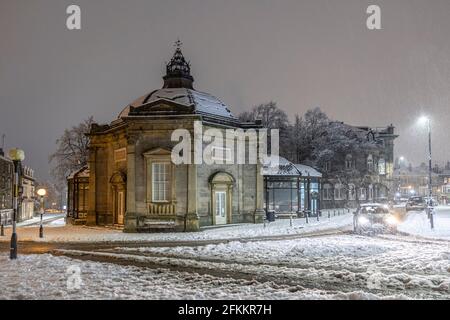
(202, 103)
(178, 90)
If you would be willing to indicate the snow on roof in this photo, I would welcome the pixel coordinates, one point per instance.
(308, 171)
(81, 173)
(203, 103)
(287, 168)
(283, 168)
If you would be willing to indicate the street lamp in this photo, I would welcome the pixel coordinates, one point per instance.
(424, 120)
(17, 156)
(41, 193)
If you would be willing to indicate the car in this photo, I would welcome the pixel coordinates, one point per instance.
(416, 204)
(375, 217)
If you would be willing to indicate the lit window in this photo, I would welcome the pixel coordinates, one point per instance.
(160, 182)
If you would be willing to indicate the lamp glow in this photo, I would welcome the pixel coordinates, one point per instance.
(16, 154)
(42, 192)
(423, 120)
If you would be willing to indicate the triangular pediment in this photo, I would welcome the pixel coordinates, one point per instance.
(161, 107)
(157, 152)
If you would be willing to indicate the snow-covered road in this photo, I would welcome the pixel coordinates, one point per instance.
(328, 267)
(238, 262)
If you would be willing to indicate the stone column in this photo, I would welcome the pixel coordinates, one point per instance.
(130, 214)
(192, 223)
(91, 218)
(259, 203)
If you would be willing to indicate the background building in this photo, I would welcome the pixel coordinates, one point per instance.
(6, 187)
(413, 181)
(27, 190)
(366, 175)
(26, 211)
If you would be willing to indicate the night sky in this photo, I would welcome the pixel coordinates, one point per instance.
(299, 53)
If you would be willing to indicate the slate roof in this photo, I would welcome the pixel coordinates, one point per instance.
(203, 103)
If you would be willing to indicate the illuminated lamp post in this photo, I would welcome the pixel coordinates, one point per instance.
(41, 193)
(17, 156)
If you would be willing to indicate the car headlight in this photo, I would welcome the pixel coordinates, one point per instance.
(363, 220)
(391, 220)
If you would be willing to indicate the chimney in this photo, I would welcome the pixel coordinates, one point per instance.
(2, 153)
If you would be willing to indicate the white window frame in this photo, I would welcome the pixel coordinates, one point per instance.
(339, 192)
(161, 181)
(382, 166)
(327, 192)
(351, 187)
(370, 193)
(362, 193)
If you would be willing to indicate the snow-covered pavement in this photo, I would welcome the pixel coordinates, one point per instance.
(417, 223)
(59, 233)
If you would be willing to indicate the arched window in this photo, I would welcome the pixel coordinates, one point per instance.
(351, 192)
(370, 163)
(382, 166)
(327, 193)
(362, 193)
(339, 192)
(370, 196)
(349, 162)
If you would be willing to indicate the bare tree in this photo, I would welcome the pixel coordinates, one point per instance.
(72, 151)
(271, 116)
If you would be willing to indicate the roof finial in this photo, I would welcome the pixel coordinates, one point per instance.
(178, 70)
(178, 43)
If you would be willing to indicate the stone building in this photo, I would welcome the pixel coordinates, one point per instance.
(367, 176)
(26, 191)
(134, 184)
(413, 181)
(6, 180)
(28, 197)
